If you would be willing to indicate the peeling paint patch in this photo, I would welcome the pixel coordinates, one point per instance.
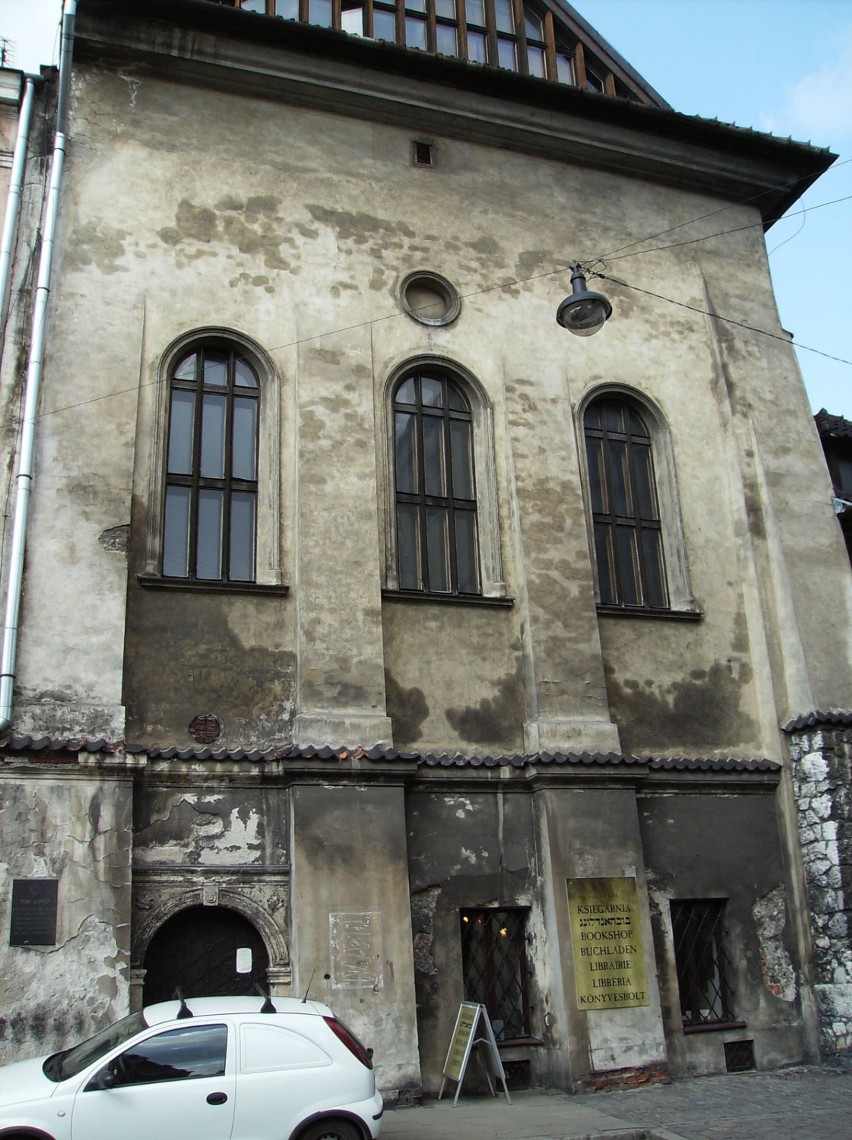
(423, 907)
(116, 538)
(770, 917)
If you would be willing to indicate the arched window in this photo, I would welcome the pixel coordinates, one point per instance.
(437, 543)
(211, 485)
(628, 531)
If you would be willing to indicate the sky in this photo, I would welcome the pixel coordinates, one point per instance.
(782, 66)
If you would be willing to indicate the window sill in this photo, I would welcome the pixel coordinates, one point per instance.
(158, 582)
(446, 599)
(519, 1042)
(715, 1027)
(659, 615)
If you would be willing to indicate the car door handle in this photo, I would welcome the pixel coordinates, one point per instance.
(217, 1098)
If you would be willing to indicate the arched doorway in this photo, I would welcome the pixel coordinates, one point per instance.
(196, 949)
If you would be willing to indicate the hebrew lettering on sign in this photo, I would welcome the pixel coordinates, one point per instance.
(606, 936)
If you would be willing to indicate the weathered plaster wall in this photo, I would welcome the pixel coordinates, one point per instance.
(470, 847)
(190, 654)
(726, 846)
(248, 231)
(592, 831)
(217, 837)
(822, 777)
(75, 827)
(351, 919)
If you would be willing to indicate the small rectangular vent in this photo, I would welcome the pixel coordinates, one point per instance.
(423, 154)
(739, 1056)
(518, 1075)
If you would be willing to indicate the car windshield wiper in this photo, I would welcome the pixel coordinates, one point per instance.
(52, 1067)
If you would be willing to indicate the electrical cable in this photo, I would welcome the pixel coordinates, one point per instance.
(727, 320)
(564, 269)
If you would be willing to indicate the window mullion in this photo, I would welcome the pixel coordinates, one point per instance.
(491, 50)
(461, 16)
(550, 46)
(450, 498)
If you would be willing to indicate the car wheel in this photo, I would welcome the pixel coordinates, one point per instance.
(330, 1130)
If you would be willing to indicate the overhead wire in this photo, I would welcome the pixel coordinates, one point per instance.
(603, 261)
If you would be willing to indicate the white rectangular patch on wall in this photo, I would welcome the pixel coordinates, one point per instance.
(355, 940)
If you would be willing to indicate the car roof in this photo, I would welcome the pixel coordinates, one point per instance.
(213, 1006)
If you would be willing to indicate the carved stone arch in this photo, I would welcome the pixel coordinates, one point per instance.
(263, 900)
(488, 518)
(154, 416)
(230, 899)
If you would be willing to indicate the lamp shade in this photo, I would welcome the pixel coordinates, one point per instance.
(584, 312)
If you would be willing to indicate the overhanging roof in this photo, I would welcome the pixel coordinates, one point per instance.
(206, 44)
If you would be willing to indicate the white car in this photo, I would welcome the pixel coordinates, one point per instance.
(210, 1068)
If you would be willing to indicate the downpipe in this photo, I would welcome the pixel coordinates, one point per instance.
(16, 182)
(26, 452)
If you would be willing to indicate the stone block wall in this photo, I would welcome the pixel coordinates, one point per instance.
(822, 765)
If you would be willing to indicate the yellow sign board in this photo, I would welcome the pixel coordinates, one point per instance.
(606, 935)
(465, 1024)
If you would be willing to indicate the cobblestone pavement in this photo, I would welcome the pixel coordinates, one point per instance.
(794, 1104)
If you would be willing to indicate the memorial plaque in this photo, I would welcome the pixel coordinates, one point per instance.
(33, 912)
(356, 950)
(606, 935)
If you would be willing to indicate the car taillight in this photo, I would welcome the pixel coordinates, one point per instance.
(350, 1041)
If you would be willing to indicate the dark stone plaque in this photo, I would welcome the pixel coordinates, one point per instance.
(33, 912)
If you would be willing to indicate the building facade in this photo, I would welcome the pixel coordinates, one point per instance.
(372, 622)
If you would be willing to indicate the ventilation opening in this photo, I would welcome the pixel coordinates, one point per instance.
(424, 154)
(518, 1075)
(739, 1056)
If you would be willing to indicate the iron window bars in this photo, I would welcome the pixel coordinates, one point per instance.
(494, 967)
(702, 965)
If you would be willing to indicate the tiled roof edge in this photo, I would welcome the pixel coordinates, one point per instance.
(713, 764)
(829, 425)
(70, 747)
(820, 718)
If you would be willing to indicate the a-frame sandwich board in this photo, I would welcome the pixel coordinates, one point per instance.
(473, 1019)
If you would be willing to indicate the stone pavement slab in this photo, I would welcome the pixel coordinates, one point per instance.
(812, 1103)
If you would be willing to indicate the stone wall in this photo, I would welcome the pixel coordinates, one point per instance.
(822, 757)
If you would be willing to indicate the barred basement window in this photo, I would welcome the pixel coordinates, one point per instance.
(702, 965)
(494, 967)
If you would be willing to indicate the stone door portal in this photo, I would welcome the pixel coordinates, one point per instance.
(197, 950)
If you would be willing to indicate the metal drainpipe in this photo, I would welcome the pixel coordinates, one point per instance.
(16, 182)
(26, 453)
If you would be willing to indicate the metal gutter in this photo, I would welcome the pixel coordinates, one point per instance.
(13, 202)
(26, 454)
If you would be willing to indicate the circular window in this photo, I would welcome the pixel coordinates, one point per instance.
(429, 298)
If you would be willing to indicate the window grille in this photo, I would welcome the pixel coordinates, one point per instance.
(702, 965)
(210, 511)
(494, 966)
(436, 526)
(622, 488)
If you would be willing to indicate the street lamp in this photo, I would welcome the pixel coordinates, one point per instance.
(583, 313)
